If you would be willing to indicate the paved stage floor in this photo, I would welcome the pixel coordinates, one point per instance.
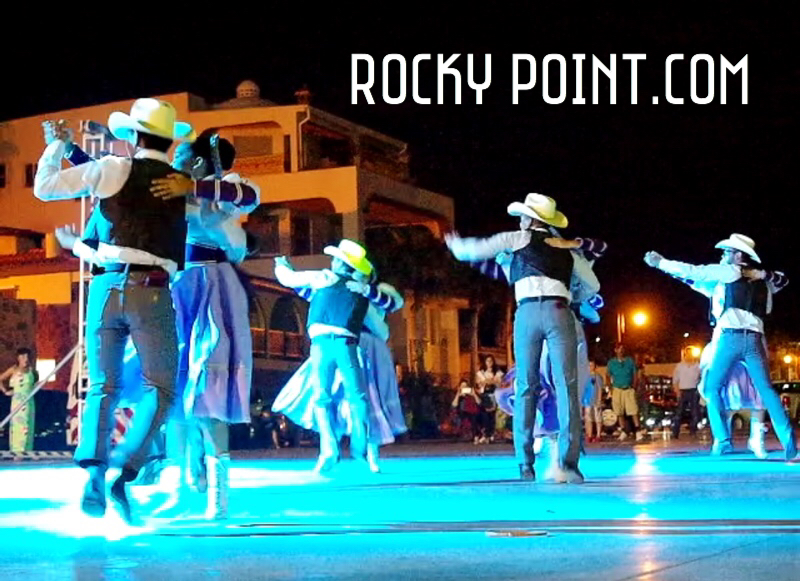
(663, 510)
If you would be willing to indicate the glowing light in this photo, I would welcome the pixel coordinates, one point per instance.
(640, 319)
(787, 359)
(686, 335)
(695, 351)
(597, 340)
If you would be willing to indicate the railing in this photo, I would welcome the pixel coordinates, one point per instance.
(39, 386)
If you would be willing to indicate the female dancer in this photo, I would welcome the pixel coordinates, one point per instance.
(386, 420)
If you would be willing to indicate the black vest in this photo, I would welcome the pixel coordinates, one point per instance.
(137, 219)
(540, 259)
(338, 306)
(747, 295)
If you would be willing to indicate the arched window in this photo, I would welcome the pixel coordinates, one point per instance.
(284, 316)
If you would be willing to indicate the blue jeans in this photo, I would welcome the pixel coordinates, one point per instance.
(120, 306)
(747, 347)
(329, 354)
(535, 323)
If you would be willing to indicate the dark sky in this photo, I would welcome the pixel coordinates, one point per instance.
(674, 178)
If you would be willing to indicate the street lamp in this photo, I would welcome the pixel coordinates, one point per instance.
(787, 359)
(639, 319)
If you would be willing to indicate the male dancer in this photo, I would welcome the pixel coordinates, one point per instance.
(541, 277)
(215, 351)
(546, 426)
(740, 298)
(126, 298)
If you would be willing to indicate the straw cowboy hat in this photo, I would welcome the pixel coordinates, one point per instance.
(150, 116)
(351, 253)
(741, 243)
(539, 207)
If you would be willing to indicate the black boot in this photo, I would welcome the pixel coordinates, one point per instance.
(93, 502)
(526, 472)
(119, 495)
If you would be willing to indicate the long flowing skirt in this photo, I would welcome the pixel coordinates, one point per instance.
(739, 392)
(297, 399)
(22, 427)
(546, 405)
(215, 347)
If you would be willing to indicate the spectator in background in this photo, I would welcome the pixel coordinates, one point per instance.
(685, 379)
(21, 378)
(467, 405)
(593, 404)
(621, 376)
(488, 379)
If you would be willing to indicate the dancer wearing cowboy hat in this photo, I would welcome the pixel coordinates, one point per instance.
(542, 277)
(741, 296)
(213, 387)
(296, 399)
(335, 321)
(126, 299)
(546, 425)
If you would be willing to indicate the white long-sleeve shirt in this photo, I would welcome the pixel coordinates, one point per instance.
(100, 178)
(584, 283)
(710, 280)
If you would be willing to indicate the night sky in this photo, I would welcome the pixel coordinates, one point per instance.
(672, 178)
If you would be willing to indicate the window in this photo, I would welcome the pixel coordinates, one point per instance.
(2, 175)
(252, 145)
(9, 293)
(287, 153)
(301, 236)
(30, 173)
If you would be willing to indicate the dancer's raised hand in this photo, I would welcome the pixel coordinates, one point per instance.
(67, 235)
(451, 237)
(358, 287)
(175, 185)
(283, 261)
(562, 243)
(653, 259)
(56, 131)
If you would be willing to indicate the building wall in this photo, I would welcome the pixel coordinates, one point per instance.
(8, 245)
(45, 289)
(17, 329)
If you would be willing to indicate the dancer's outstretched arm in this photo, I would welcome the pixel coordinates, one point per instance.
(716, 273)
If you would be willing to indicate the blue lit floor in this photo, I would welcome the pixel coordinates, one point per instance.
(664, 510)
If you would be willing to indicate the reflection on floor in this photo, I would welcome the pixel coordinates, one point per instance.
(658, 511)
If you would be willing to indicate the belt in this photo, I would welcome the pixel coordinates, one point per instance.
(154, 276)
(347, 340)
(195, 253)
(741, 331)
(542, 299)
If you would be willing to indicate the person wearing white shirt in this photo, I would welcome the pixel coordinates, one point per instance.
(685, 379)
(740, 299)
(215, 346)
(541, 272)
(126, 299)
